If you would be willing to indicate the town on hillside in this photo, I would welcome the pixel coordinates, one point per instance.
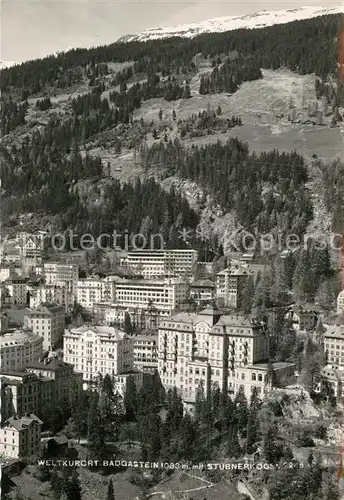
(133, 356)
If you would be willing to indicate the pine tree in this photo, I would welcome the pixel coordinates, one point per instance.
(130, 399)
(186, 92)
(73, 488)
(200, 404)
(233, 445)
(248, 295)
(128, 327)
(110, 491)
(241, 410)
(95, 430)
(301, 277)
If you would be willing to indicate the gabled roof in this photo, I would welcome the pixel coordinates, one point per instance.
(203, 283)
(23, 422)
(48, 309)
(101, 331)
(50, 364)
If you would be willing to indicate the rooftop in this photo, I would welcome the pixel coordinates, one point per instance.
(203, 283)
(144, 282)
(161, 250)
(278, 365)
(333, 371)
(237, 270)
(215, 318)
(182, 317)
(18, 337)
(47, 309)
(335, 331)
(146, 338)
(21, 378)
(238, 321)
(23, 422)
(300, 309)
(101, 331)
(49, 364)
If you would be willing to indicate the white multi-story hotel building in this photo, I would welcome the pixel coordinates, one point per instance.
(230, 284)
(164, 295)
(340, 303)
(56, 273)
(20, 438)
(18, 349)
(146, 353)
(334, 344)
(158, 263)
(98, 350)
(96, 290)
(47, 321)
(146, 302)
(53, 294)
(216, 351)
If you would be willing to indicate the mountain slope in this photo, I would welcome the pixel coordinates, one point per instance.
(259, 19)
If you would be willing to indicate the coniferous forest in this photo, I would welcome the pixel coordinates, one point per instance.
(51, 165)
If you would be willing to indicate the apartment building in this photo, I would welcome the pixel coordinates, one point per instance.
(30, 245)
(5, 271)
(18, 349)
(15, 291)
(96, 290)
(160, 263)
(332, 380)
(164, 295)
(334, 344)
(230, 284)
(146, 353)
(56, 273)
(23, 392)
(67, 382)
(302, 319)
(20, 438)
(202, 291)
(213, 350)
(145, 318)
(50, 294)
(47, 321)
(3, 322)
(94, 350)
(340, 303)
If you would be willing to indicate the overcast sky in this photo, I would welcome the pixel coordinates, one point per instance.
(35, 28)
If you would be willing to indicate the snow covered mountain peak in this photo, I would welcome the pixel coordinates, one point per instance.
(256, 20)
